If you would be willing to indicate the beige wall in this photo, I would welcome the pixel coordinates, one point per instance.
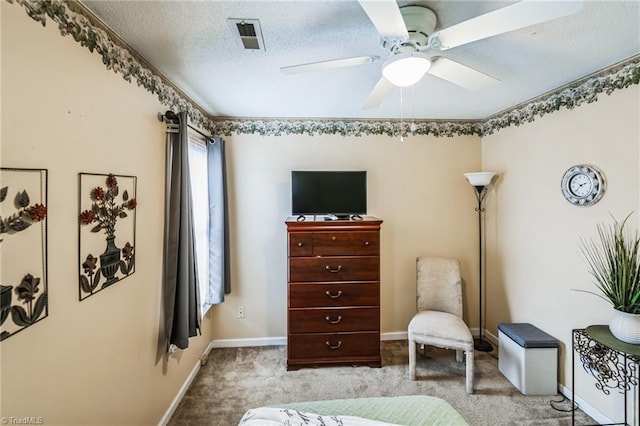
(94, 361)
(90, 362)
(416, 187)
(534, 260)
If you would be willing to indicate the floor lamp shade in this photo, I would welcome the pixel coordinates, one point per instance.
(480, 181)
(480, 178)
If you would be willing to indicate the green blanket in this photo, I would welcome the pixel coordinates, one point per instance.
(415, 410)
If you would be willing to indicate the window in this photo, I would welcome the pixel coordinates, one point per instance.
(199, 178)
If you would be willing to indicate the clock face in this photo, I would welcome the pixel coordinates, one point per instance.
(580, 185)
(583, 185)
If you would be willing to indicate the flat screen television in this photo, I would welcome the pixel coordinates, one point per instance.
(339, 193)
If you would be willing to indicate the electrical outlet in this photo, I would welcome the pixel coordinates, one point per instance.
(240, 313)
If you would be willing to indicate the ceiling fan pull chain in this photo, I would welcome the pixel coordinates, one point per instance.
(401, 122)
(412, 128)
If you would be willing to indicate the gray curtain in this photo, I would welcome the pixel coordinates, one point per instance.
(180, 286)
(219, 276)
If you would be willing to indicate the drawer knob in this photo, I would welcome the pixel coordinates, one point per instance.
(300, 244)
(330, 346)
(366, 243)
(333, 271)
(333, 296)
(334, 238)
(333, 321)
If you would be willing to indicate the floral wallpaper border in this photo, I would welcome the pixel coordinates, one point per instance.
(122, 61)
(573, 95)
(277, 127)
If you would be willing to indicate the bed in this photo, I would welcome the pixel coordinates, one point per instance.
(415, 410)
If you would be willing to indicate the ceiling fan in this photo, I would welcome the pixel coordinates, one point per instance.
(408, 33)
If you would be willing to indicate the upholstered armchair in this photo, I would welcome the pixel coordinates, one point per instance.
(439, 319)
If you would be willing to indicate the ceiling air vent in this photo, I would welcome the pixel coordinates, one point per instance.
(247, 32)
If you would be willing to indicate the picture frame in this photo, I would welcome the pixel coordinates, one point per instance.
(106, 230)
(24, 284)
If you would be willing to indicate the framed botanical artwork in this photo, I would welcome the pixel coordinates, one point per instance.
(107, 230)
(23, 249)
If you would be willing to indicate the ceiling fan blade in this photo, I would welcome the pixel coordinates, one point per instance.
(386, 17)
(461, 75)
(509, 18)
(324, 65)
(377, 95)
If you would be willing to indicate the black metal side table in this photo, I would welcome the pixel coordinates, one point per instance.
(613, 363)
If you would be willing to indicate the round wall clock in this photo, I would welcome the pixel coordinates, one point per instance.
(583, 185)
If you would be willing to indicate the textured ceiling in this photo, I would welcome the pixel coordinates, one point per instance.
(192, 44)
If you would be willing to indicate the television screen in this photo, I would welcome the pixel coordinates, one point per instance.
(340, 193)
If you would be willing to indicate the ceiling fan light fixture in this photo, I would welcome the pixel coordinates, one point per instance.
(406, 69)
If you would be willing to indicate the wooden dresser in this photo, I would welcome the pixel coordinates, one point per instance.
(333, 293)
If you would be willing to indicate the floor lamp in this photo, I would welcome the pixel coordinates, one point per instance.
(480, 182)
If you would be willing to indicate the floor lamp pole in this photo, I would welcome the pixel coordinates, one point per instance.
(479, 343)
(480, 182)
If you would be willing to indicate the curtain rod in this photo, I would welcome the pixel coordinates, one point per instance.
(161, 117)
(199, 132)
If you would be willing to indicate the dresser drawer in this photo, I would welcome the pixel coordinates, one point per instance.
(366, 243)
(332, 243)
(346, 243)
(303, 295)
(333, 320)
(336, 268)
(301, 244)
(334, 345)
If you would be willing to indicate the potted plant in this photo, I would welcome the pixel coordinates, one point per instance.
(614, 264)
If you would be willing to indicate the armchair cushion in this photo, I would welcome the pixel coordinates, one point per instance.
(441, 327)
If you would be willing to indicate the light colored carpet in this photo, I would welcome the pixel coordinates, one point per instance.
(237, 379)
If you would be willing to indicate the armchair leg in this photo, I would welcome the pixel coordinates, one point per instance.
(412, 359)
(469, 369)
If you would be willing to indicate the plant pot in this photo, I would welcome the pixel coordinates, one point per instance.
(109, 262)
(626, 327)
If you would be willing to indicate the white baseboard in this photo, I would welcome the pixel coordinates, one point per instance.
(584, 406)
(491, 338)
(282, 341)
(394, 335)
(242, 343)
(475, 332)
(185, 386)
